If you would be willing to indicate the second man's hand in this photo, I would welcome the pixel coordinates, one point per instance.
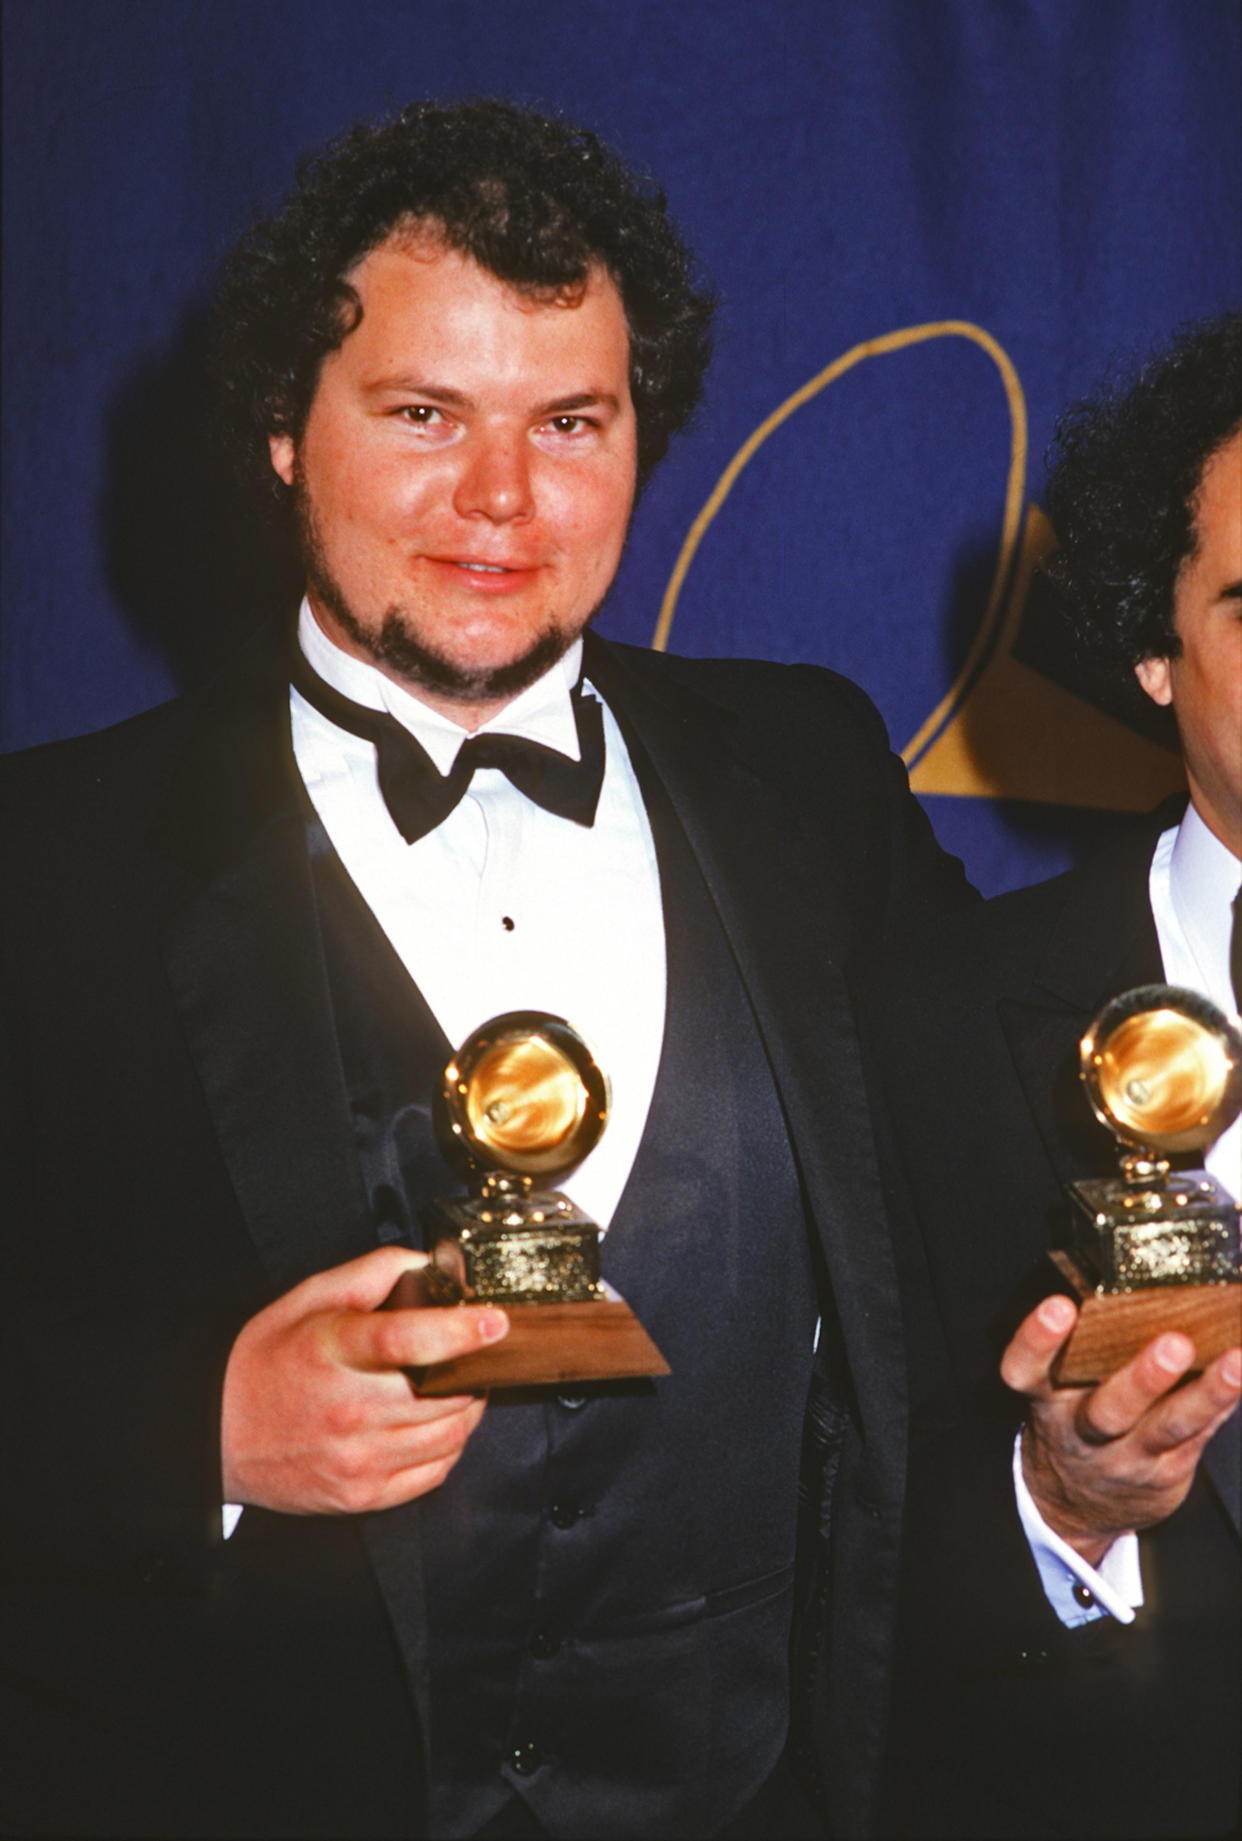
(319, 1416)
(1101, 1461)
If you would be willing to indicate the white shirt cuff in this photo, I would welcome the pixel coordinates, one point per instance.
(1078, 1593)
(231, 1514)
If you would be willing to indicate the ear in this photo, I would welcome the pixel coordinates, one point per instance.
(1156, 678)
(284, 456)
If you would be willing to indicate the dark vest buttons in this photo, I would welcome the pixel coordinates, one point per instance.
(527, 1758)
(564, 1514)
(1084, 1595)
(543, 1645)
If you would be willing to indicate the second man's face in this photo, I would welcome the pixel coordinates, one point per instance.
(466, 474)
(1204, 682)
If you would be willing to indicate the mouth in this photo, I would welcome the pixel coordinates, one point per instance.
(487, 576)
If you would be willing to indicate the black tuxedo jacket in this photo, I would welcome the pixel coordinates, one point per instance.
(177, 1153)
(1009, 1723)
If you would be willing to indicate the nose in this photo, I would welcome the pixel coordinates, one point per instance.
(495, 481)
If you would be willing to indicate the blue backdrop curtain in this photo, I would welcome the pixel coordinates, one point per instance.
(931, 222)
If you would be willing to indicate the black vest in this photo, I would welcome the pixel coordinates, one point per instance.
(609, 1572)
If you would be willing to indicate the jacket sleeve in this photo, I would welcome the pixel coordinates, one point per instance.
(1002, 1713)
(123, 1277)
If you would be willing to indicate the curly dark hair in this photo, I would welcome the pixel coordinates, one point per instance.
(535, 200)
(1126, 466)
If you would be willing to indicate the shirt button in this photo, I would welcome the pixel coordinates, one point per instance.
(564, 1514)
(543, 1645)
(1084, 1595)
(526, 1758)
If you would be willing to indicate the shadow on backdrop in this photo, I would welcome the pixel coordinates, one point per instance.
(194, 567)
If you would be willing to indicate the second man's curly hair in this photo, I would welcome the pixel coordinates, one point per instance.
(1127, 465)
(534, 200)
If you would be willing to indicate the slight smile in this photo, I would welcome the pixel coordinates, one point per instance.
(487, 576)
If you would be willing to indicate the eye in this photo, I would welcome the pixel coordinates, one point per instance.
(570, 424)
(421, 414)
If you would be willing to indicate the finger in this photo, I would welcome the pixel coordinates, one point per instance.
(1026, 1365)
(419, 1480)
(392, 1339)
(1195, 1411)
(420, 1465)
(391, 1403)
(1086, 1432)
(1118, 1404)
(428, 1438)
(359, 1284)
(359, 1474)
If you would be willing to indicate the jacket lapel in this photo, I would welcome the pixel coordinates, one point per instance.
(1104, 943)
(775, 885)
(245, 960)
(243, 956)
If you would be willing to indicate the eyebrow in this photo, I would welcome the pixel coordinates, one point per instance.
(417, 386)
(586, 399)
(458, 399)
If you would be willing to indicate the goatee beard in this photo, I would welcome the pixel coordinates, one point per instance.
(408, 658)
(396, 648)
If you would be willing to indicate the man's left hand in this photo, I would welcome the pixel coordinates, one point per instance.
(1101, 1461)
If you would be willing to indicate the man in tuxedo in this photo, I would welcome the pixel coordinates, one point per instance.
(256, 1584)
(1070, 1639)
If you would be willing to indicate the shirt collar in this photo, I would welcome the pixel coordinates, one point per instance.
(1204, 876)
(541, 713)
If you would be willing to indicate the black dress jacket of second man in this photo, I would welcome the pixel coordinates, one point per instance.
(1011, 1723)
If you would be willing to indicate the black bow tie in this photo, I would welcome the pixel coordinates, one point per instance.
(419, 798)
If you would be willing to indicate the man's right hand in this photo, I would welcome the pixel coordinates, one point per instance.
(1106, 1460)
(319, 1416)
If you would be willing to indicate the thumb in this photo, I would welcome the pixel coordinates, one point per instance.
(1026, 1365)
(359, 1284)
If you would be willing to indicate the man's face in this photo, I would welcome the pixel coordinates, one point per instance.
(1204, 684)
(465, 476)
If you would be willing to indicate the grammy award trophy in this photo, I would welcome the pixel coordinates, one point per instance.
(1155, 1248)
(523, 1099)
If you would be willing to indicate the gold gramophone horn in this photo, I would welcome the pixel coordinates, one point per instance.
(1162, 1067)
(525, 1094)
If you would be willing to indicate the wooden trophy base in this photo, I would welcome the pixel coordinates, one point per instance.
(601, 1340)
(598, 1340)
(1114, 1326)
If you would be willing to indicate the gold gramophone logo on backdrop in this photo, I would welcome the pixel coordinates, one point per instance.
(1155, 1248)
(1002, 729)
(525, 1099)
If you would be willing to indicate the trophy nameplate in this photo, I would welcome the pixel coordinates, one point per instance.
(522, 1099)
(1157, 1247)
